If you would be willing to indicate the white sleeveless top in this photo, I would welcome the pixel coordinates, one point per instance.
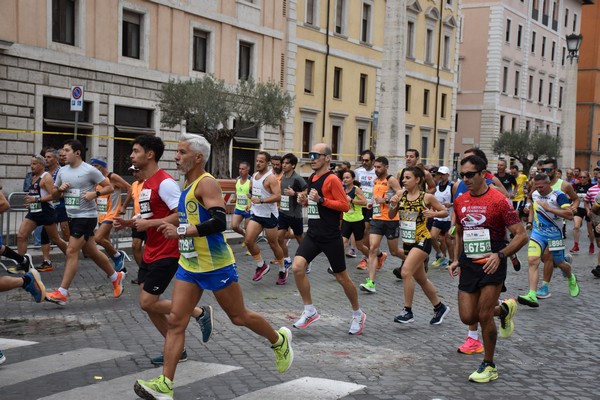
(444, 197)
(259, 191)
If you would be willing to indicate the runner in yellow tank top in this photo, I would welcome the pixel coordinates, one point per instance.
(415, 207)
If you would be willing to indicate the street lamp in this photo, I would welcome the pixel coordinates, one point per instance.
(573, 43)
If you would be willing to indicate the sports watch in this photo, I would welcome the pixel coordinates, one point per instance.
(181, 231)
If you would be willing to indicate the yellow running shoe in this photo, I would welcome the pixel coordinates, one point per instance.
(485, 373)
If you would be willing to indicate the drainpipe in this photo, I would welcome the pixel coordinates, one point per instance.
(437, 80)
(326, 69)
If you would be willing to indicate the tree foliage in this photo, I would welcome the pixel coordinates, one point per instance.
(527, 147)
(206, 104)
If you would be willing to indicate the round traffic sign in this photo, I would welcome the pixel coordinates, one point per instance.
(77, 92)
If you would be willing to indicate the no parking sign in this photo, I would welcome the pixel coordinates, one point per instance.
(76, 98)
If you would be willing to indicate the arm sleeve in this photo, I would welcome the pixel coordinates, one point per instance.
(169, 192)
(334, 195)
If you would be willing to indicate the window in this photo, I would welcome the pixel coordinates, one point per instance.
(555, 16)
(528, 125)
(407, 99)
(507, 33)
(535, 9)
(337, 83)
(504, 79)
(424, 147)
(308, 75)
(311, 10)
(362, 138)
(410, 40)
(543, 46)
(131, 34)
(533, 35)
(362, 93)
(443, 106)
(550, 88)
(513, 124)
(245, 61)
(545, 12)
(365, 31)
(519, 35)
(560, 96)
(574, 22)
(447, 52)
(426, 102)
(307, 129)
(501, 123)
(566, 17)
(442, 151)
(540, 91)
(553, 51)
(564, 53)
(63, 21)
(339, 17)
(530, 88)
(336, 136)
(130, 122)
(429, 48)
(407, 141)
(517, 82)
(200, 50)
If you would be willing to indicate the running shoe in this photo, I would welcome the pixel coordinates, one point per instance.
(516, 263)
(119, 260)
(35, 286)
(287, 264)
(398, 272)
(363, 264)
(381, 259)
(28, 263)
(330, 271)
(160, 360)
(471, 346)
(56, 297)
(368, 286)
(543, 292)
(507, 326)
(405, 317)
(591, 248)
(248, 253)
(2, 358)
(438, 261)
(118, 285)
(351, 253)
(282, 279)
(445, 262)
(160, 388)
(308, 267)
(284, 354)
(575, 249)
(260, 272)
(306, 319)
(485, 373)
(439, 314)
(530, 299)
(45, 267)
(357, 324)
(573, 285)
(596, 271)
(205, 320)
(21, 268)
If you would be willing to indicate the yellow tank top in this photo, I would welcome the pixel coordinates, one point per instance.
(413, 224)
(242, 192)
(200, 254)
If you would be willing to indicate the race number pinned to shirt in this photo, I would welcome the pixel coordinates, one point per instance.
(242, 200)
(256, 192)
(35, 207)
(102, 204)
(556, 244)
(368, 192)
(72, 198)
(186, 246)
(476, 243)
(284, 204)
(313, 210)
(376, 209)
(408, 231)
(144, 199)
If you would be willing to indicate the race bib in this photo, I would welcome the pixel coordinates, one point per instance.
(408, 231)
(242, 200)
(313, 210)
(476, 243)
(556, 244)
(376, 209)
(186, 247)
(144, 199)
(256, 192)
(102, 203)
(72, 198)
(35, 207)
(368, 192)
(284, 204)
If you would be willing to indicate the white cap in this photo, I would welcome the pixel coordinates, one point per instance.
(443, 170)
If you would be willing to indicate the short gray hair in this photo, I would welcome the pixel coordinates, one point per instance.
(197, 143)
(40, 159)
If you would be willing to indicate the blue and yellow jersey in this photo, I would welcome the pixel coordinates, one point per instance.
(200, 254)
(545, 221)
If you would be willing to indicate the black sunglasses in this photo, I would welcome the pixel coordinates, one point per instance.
(468, 175)
(547, 169)
(313, 155)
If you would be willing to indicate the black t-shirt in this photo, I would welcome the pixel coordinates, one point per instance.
(508, 181)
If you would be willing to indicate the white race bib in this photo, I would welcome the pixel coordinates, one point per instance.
(144, 199)
(556, 244)
(72, 198)
(284, 204)
(186, 246)
(256, 192)
(102, 203)
(476, 243)
(376, 209)
(242, 200)
(35, 207)
(313, 210)
(408, 231)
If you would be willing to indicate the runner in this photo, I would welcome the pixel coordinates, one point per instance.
(206, 263)
(242, 203)
(384, 187)
(366, 176)
(482, 217)
(441, 226)
(414, 206)
(77, 182)
(507, 180)
(326, 202)
(133, 194)
(290, 212)
(548, 209)
(159, 199)
(413, 159)
(520, 192)
(581, 190)
(266, 192)
(108, 208)
(352, 220)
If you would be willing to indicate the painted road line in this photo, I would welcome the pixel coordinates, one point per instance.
(41, 366)
(122, 388)
(305, 388)
(6, 344)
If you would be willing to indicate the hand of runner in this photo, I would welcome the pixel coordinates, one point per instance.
(288, 191)
(89, 196)
(169, 231)
(121, 223)
(454, 269)
(141, 224)
(492, 264)
(314, 195)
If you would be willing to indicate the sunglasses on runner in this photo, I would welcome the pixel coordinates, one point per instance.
(547, 169)
(314, 155)
(468, 175)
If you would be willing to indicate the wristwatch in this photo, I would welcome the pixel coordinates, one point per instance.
(182, 231)
(501, 256)
(98, 193)
(321, 200)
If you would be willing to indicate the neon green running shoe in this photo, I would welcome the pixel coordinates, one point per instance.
(368, 286)
(507, 326)
(530, 299)
(485, 373)
(573, 286)
(160, 388)
(284, 354)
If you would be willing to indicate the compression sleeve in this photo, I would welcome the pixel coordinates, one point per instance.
(215, 224)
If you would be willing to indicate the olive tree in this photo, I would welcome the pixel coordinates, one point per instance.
(527, 147)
